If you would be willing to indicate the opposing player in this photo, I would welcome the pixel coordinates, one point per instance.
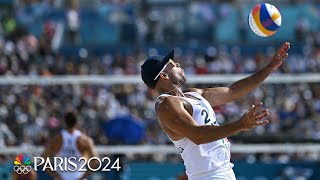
(187, 117)
(70, 143)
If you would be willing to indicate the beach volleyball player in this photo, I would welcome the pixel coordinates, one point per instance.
(187, 117)
(70, 143)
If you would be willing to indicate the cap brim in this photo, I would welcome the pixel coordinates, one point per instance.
(169, 56)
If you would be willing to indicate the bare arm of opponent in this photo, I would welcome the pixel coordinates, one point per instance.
(86, 146)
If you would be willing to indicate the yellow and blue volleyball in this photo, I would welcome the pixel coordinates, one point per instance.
(264, 19)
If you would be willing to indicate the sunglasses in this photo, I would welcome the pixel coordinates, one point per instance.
(164, 67)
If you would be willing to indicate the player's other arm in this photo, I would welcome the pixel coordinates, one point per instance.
(89, 151)
(50, 150)
(223, 95)
(173, 115)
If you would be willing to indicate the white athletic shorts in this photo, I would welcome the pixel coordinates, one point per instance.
(226, 175)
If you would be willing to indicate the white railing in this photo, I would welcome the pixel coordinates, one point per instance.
(169, 149)
(164, 149)
(136, 79)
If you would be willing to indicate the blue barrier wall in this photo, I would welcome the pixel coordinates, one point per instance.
(243, 171)
(169, 171)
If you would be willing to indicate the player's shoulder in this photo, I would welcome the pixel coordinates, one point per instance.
(169, 105)
(84, 139)
(84, 142)
(196, 90)
(166, 101)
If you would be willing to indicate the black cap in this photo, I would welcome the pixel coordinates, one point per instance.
(152, 66)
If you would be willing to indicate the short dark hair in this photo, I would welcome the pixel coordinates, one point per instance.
(70, 119)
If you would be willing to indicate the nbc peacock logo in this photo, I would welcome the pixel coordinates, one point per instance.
(22, 164)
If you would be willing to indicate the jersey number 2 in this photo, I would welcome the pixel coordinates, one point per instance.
(206, 119)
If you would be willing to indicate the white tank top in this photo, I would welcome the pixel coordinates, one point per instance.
(69, 149)
(213, 157)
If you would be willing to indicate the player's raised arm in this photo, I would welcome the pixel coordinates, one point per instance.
(222, 95)
(173, 115)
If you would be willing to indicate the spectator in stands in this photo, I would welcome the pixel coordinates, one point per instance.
(73, 21)
(6, 134)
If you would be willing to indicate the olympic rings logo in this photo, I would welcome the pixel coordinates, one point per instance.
(20, 169)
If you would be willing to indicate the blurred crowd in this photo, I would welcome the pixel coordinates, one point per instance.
(23, 53)
(29, 56)
(33, 112)
(30, 115)
(144, 22)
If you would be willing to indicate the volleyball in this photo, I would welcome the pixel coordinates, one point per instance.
(264, 19)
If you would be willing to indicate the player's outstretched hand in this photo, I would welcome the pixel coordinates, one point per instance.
(253, 117)
(280, 56)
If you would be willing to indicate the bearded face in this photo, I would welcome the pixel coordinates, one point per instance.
(176, 74)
